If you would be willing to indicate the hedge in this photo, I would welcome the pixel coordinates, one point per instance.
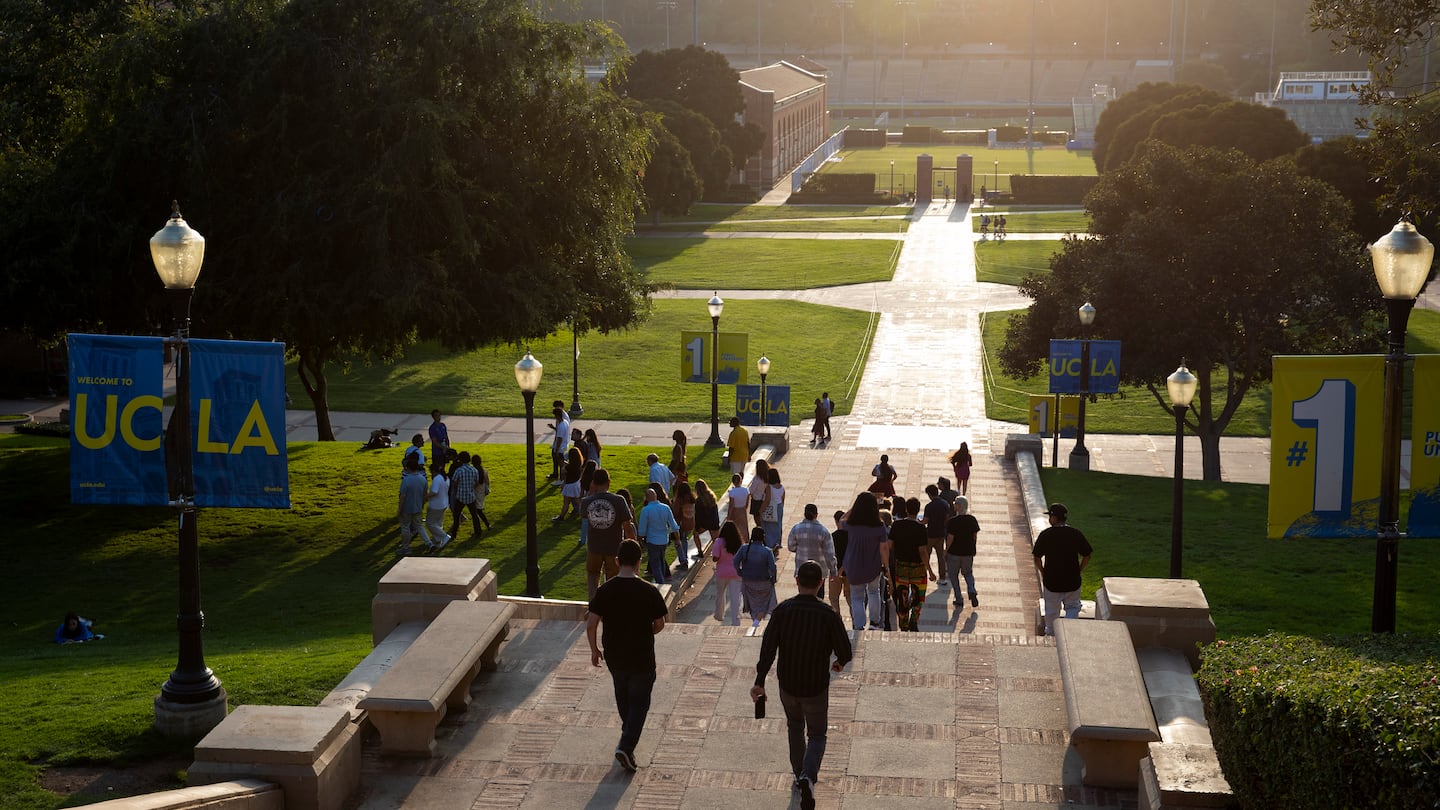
(1348, 721)
(1051, 189)
(840, 183)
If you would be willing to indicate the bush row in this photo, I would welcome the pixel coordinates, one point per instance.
(840, 183)
(1051, 189)
(1327, 722)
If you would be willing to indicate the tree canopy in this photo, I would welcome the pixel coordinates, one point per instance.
(1209, 257)
(366, 174)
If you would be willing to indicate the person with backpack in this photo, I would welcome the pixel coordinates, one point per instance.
(727, 581)
(755, 563)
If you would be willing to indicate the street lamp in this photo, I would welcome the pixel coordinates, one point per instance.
(1079, 456)
(1402, 262)
(1181, 385)
(191, 701)
(716, 306)
(576, 410)
(997, 177)
(527, 375)
(892, 178)
(763, 366)
(668, 6)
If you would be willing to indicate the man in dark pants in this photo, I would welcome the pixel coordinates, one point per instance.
(805, 632)
(632, 612)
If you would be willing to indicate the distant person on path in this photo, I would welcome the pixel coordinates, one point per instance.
(739, 511)
(817, 430)
(659, 473)
(773, 514)
(677, 452)
(655, 526)
(884, 476)
(1061, 553)
(412, 504)
(829, 411)
(811, 643)
(839, 585)
(810, 540)
(439, 437)
(961, 462)
(755, 563)
(739, 445)
(75, 629)
(727, 581)
(864, 561)
(910, 562)
(962, 531)
(935, 517)
(560, 443)
(984, 225)
(632, 613)
(609, 515)
(436, 503)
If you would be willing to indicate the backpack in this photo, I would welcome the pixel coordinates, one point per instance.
(751, 569)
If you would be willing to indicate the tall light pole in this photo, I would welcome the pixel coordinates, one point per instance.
(997, 177)
(668, 6)
(892, 178)
(1402, 261)
(527, 375)
(1181, 386)
(904, 14)
(759, 7)
(763, 366)
(845, 5)
(192, 701)
(716, 305)
(1079, 456)
(576, 410)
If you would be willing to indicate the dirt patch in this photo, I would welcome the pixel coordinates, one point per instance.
(115, 781)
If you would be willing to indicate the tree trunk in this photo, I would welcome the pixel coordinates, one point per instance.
(312, 376)
(1210, 454)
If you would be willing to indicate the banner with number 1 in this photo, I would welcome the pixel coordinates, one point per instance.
(1325, 436)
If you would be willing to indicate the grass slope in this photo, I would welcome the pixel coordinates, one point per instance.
(763, 264)
(1009, 261)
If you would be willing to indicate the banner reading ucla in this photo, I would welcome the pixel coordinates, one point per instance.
(1325, 427)
(237, 417)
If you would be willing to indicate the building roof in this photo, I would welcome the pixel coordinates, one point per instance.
(806, 63)
(782, 78)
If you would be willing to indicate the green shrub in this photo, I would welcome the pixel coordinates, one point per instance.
(1010, 133)
(913, 133)
(58, 429)
(856, 138)
(840, 183)
(1051, 189)
(1341, 721)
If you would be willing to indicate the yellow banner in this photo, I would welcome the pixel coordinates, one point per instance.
(1042, 414)
(1424, 520)
(1325, 435)
(732, 365)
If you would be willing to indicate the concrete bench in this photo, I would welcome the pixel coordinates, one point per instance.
(1106, 706)
(416, 589)
(434, 674)
(1182, 769)
(241, 794)
(357, 685)
(1159, 612)
(311, 752)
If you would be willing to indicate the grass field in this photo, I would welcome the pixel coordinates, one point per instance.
(1134, 410)
(716, 212)
(876, 160)
(763, 264)
(1022, 221)
(632, 375)
(1009, 262)
(895, 223)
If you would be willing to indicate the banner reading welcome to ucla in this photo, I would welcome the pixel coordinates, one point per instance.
(237, 418)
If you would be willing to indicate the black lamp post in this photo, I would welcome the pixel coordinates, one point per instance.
(1181, 385)
(576, 411)
(1079, 455)
(892, 178)
(192, 701)
(1402, 261)
(763, 366)
(527, 374)
(716, 306)
(667, 6)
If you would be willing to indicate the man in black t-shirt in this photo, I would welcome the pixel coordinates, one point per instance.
(633, 612)
(911, 566)
(937, 513)
(961, 531)
(1061, 553)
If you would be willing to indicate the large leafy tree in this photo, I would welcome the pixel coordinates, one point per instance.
(1209, 257)
(1122, 109)
(367, 174)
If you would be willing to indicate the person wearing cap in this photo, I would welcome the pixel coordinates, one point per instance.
(811, 642)
(1061, 553)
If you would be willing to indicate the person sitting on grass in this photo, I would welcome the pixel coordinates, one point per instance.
(76, 629)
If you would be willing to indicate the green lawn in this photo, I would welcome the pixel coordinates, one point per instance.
(1134, 410)
(718, 212)
(763, 264)
(1009, 262)
(1019, 221)
(876, 160)
(632, 375)
(286, 592)
(1307, 587)
(891, 223)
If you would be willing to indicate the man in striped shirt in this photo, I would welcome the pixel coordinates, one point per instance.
(810, 540)
(806, 633)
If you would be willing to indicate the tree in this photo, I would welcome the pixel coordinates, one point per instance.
(1130, 130)
(1211, 258)
(700, 139)
(367, 174)
(671, 184)
(1345, 164)
(1127, 106)
(1260, 132)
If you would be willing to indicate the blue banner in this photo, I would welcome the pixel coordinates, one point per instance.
(237, 420)
(1065, 361)
(237, 411)
(777, 405)
(116, 423)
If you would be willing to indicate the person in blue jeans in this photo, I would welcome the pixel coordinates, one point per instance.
(654, 526)
(632, 613)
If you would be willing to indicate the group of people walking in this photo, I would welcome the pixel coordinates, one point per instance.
(458, 482)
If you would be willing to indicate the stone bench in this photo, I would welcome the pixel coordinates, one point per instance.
(1169, 613)
(416, 589)
(357, 685)
(311, 752)
(434, 674)
(240, 794)
(1182, 769)
(1106, 706)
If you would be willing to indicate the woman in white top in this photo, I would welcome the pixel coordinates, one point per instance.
(758, 484)
(773, 513)
(436, 503)
(739, 511)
